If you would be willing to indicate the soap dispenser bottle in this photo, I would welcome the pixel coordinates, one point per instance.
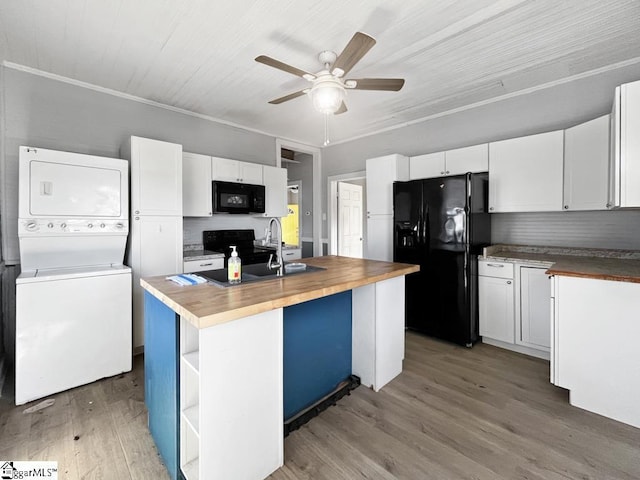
(234, 267)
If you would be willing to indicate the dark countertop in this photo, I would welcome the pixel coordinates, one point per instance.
(616, 265)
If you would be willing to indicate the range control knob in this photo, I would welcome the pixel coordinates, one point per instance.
(63, 225)
(32, 226)
(119, 225)
(50, 225)
(90, 225)
(102, 225)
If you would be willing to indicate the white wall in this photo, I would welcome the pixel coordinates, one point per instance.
(553, 108)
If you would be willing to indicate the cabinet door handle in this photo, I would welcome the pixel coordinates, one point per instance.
(447, 172)
(498, 265)
(491, 209)
(206, 264)
(508, 282)
(566, 207)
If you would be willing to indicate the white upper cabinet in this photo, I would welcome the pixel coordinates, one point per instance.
(234, 171)
(381, 173)
(156, 176)
(586, 164)
(275, 186)
(427, 166)
(624, 173)
(196, 185)
(525, 173)
(468, 159)
(452, 162)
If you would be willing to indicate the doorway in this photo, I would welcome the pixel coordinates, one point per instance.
(336, 244)
(303, 164)
(350, 219)
(292, 222)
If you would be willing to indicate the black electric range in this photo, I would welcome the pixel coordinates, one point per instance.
(221, 241)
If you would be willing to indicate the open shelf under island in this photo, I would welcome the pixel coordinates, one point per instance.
(226, 367)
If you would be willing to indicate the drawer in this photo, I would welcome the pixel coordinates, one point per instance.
(192, 266)
(492, 268)
(292, 254)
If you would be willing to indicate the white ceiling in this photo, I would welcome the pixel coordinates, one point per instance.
(198, 55)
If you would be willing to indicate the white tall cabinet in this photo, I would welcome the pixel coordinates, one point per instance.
(381, 172)
(155, 235)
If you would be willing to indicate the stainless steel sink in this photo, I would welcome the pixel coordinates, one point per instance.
(251, 273)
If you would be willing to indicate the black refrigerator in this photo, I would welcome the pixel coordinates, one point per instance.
(442, 224)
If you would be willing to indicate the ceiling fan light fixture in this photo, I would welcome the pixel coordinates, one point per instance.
(327, 96)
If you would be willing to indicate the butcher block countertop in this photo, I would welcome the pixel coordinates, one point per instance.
(207, 305)
(616, 265)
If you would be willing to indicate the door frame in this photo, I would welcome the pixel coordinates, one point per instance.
(332, 210)
(317, 185)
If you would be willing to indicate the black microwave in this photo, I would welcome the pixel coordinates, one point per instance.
(230, 197)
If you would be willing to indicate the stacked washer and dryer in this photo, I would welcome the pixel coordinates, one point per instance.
(73, 297)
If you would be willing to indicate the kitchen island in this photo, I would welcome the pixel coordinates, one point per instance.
(226, 367)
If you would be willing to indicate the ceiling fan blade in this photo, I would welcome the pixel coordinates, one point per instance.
(342, 109)
(286, 98)
(357, 47)
(388, 84)
(272, 62)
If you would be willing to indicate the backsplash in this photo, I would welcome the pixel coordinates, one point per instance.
(599, 229)
(193, 227)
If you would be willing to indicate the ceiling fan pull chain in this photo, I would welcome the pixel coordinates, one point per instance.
(326, 129)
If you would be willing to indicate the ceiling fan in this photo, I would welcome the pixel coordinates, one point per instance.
(329, 87)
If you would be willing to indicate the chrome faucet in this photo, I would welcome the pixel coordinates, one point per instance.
(280, 264)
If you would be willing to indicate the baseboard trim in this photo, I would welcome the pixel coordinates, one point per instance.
(532, 352)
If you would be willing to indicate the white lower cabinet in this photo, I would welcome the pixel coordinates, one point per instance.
(514, 306)
(231, 397)
(595, 352)
(496, 308)
(535, 322)
(378, 329)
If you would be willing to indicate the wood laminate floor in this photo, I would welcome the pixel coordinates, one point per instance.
(454, 413)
